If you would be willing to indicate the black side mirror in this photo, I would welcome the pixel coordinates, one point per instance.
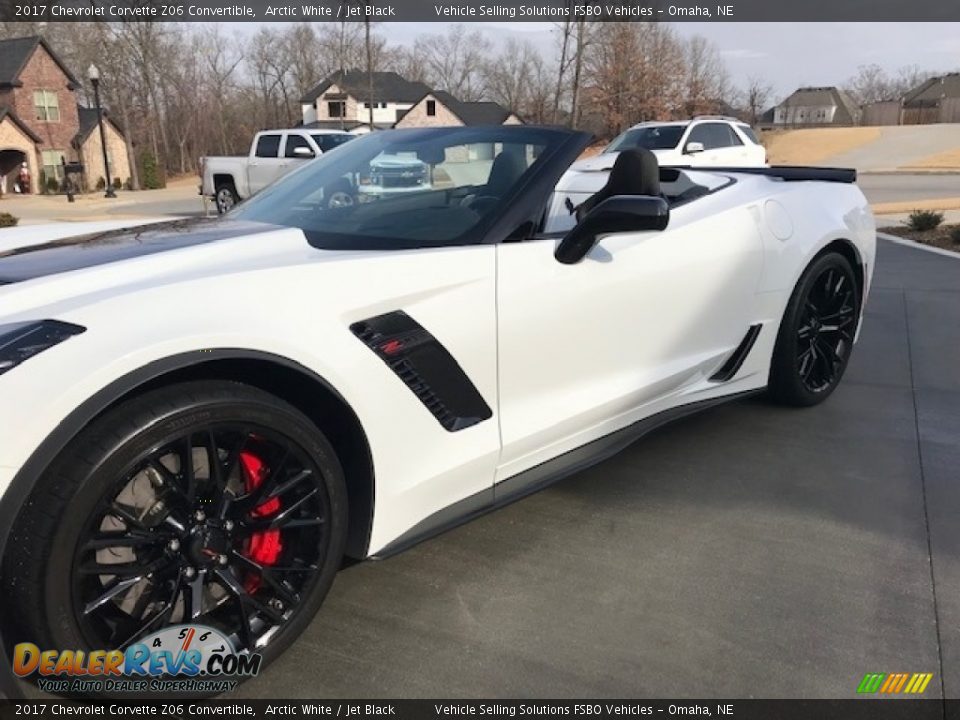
(620, 213)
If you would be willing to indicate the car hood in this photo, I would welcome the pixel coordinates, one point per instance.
(395, 161)
(604, 161)
(30, 259)
(71, 262)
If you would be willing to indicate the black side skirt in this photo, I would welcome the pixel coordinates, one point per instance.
(540, 476)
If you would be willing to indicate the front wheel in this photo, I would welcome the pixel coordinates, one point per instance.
(816, 335)
(201, 503)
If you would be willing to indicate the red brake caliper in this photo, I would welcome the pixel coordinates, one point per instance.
(264, 547)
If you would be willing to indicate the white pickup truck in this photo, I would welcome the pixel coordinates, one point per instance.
(273, 153)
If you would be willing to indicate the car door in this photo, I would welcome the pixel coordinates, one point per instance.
(266, 164)
(589, 348)
(732, 150)
(714, 141)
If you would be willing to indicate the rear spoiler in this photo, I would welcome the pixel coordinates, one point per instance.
(788, 173)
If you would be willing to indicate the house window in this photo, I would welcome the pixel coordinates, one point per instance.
(335, 108)
(431, 108)
(46, 105)
(53, 164)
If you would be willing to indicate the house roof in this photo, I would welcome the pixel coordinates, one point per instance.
(387, 87)
(6, 112)
(824, 96)
(14, 54)
(933, 90)
(470, 113)
(88, 123)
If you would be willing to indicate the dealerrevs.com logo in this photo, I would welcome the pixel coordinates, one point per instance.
(180, 658)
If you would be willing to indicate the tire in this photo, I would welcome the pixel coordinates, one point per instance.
(816, 335)
(225, 197)
(341, 195)
(47, 568)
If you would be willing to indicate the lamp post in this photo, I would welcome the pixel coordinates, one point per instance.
(93, 72)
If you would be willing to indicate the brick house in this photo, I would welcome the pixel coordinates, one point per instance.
(438, 107)
(41, 122)
(343, 101)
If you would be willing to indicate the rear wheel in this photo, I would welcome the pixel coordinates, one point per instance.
(207, 503)
(225, 197)
(816, 336)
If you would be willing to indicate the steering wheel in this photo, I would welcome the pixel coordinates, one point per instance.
(481, 204)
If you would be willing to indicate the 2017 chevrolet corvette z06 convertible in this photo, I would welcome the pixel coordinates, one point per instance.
(201, 417)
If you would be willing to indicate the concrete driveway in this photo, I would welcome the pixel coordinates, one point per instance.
(900, 146)
(748, 551)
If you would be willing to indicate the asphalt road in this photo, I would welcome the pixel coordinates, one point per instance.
(751, 550)
(884, 188)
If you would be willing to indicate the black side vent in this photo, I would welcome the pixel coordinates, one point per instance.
(426, 367)
(733, 363)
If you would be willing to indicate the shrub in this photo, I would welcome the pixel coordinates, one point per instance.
(128, 185)
(117, 184)
(101, 183)
(150, 177)
(921, 220)
(955, 234)
(8, 220)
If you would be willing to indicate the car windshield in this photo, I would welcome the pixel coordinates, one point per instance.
(406, 188)
(328, 141)
(653, 137)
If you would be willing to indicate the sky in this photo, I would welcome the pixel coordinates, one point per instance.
(787, 54)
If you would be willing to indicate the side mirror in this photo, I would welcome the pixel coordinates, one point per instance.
(303, 152)
(620, 213)
(693, 148)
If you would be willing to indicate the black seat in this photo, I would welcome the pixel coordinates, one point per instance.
(635, 172)
(507, 169)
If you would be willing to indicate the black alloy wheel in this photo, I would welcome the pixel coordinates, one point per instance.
(817, 333)
(205, 503)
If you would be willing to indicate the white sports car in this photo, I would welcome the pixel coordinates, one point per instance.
(200, 418)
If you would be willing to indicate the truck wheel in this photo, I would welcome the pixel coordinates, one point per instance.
(341, 195)
(226, 197)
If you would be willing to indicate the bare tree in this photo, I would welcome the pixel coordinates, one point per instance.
(706, 81)
(566, 31)
(755, 97)
(870, 84)
(453, 61)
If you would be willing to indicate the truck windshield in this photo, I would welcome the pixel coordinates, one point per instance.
(407, 188)
(656, 137)
(328, 141)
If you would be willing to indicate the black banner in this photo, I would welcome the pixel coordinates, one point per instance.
(867, 709)
(467, 11)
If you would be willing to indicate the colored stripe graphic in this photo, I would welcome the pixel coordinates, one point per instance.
(894, 683)
(871, 682)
